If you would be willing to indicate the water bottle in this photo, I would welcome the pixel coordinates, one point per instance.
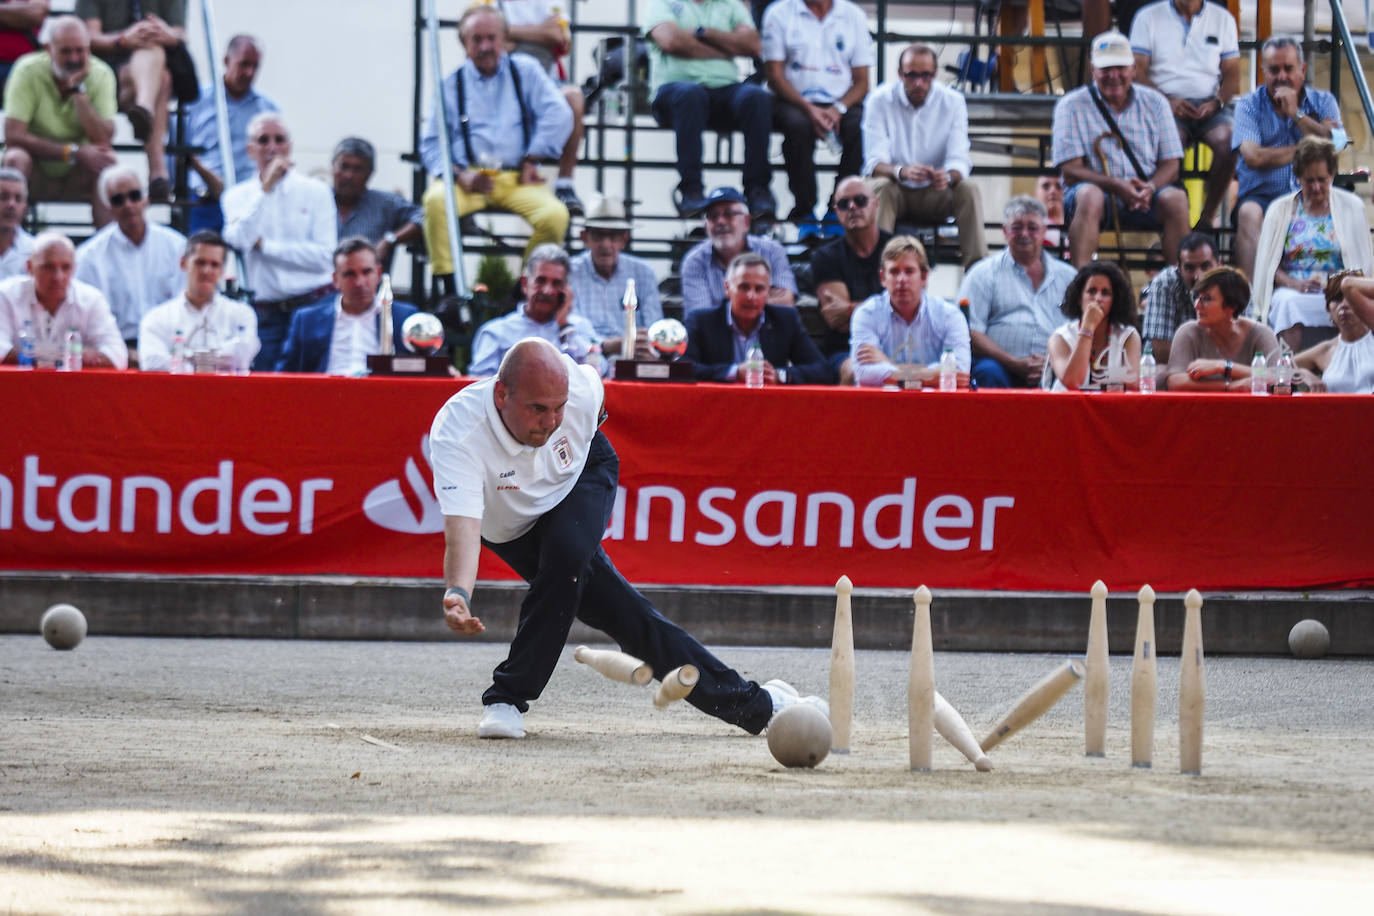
(1147, 369)
(72, 359)
(1259, 374)
(177, 365)
(243, 356)
(753, 367)
(26, 346)
(833, 143)
(1283, 372)
(949, 371)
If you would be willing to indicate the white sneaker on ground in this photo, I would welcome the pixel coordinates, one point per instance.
(501, 720)
(784, 695)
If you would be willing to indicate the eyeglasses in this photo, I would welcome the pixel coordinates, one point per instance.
(133, 197)
(858, 202)
(917, 76)
(271, 138)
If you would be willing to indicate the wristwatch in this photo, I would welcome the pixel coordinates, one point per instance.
(782, 376)
(841, 107)
(389, 237)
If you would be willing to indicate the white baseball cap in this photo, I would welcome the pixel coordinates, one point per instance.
(1112, 49)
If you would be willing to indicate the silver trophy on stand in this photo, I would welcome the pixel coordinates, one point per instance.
(422, 333)
(667, 368)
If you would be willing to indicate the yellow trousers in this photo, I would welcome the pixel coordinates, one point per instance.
(547, 217)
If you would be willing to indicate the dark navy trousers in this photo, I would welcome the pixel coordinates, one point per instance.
(570, 577)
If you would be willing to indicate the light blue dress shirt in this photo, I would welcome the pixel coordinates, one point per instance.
(599, 300)
(202, 129)
(497, 336)
(922, 342)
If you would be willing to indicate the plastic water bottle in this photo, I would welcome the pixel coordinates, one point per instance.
(1259, 374)
(177, 365)
(949, 371)
(243, 359)
(1147, 369)
(753, 367)
(26, 346)
(72, 359)
(1283, 373)
(833, 143)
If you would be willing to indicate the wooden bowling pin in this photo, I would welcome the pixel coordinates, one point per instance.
(1191, 687)
(1144, 682)
(1095, 667)
(842, 669)
(920, 690)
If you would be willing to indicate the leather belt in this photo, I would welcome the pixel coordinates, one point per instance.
(287, 305)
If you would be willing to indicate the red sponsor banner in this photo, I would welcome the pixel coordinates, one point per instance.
(123, 472)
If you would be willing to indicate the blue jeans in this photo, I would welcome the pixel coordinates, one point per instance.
(273, 323)
(690, 108)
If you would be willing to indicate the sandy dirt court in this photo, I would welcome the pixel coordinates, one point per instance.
(222, 776)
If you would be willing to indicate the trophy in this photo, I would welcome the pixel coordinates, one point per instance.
(668, 340)
(423, 335)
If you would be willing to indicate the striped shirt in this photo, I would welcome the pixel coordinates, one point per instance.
(1147, 123)
(600, 300)
(1002, 304)
(703, 280)
(1258, 122)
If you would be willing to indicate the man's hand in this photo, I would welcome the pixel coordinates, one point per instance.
(459, 618)
(915, 173)
(823, 120)
(868, 354)
(565, 310)
(1139, 195)
(71, 82)
(770, 375)
(939, 179)
(94, 359)
(1031, 368)
(142, 34)
(473, 181)
(529, 172)
(94, 159)
(1184, 110)
(162, 32)
(1286, 102)
(276, 170)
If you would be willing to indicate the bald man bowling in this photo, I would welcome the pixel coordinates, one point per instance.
(521, 466)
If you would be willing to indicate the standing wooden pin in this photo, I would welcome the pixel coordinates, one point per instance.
(842, 669)
(1191, 688)
(920, 689)
(1144, 683)
(1095, 687)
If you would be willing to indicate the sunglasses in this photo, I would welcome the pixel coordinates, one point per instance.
(271, 138)
(858, 201)
(133, 197)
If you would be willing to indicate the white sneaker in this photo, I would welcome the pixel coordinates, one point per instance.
(501, 720)
(784, 695)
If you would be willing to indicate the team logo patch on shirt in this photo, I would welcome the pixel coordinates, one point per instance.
(562, 453)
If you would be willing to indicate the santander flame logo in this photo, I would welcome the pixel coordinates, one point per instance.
(408, 507)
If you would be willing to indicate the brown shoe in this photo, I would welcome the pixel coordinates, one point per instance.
(142, 121)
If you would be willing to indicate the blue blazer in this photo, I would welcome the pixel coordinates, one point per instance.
(785, 344)
(312, 331)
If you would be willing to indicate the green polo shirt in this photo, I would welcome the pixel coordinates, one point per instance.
(31, 96)
(723, 15)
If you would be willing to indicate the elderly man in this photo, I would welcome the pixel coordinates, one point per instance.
(1190, 51)
(285, 225)
(848, 270)
(1269, 123)
(1169, 296)
(719, 338)
(1014, 298)
(242, 61)
(899, 335)
(204, 319)
(916, 148)
(727, 237)
(817, 54)
(48, 303)
(339, 334)
(599, 276)
(547, 312)
(1111, 182)
(521, 466)
(694, 82)
(505, 117)
(384, 218)
(59, 118)
(135, 263)
(15, 243)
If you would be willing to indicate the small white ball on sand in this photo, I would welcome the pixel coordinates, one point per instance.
(1308, 639)
(799, 736)
(63, 626)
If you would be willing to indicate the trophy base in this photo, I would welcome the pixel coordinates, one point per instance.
(408, 365)
(653, 370)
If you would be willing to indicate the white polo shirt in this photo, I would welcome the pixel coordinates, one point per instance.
(481, 471)
(819, 55)
(1185, 58)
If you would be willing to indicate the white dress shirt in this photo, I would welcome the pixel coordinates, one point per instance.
(207, 328)
(15, 260)
(84, 308)
(355, 338)
(298, 226)
(934, 135)
(134, 278)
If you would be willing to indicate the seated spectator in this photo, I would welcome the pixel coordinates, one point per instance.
(204, 319)
(15, 243)
(719, 338)
(916, 148)
(135, 39)
(59, 118)
(242, 102)
(505, 117)
(20, 22)
(899, 335)
(1013, 301)
(1269, 123)
(536, 28)
(1100, 343)
(1190, 51)
(384, 218)
(285, 226)
(598, 277)
(1343, 364)
(1049, 190)
(848, 270)
(339, 334)
(1169, 295)
(546, 312)
(817, 55)
(1214, 351)
(135, 263)
(694, 83)
(727, 237)
(1106, 185)
(1307, 236)
(49, 302)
